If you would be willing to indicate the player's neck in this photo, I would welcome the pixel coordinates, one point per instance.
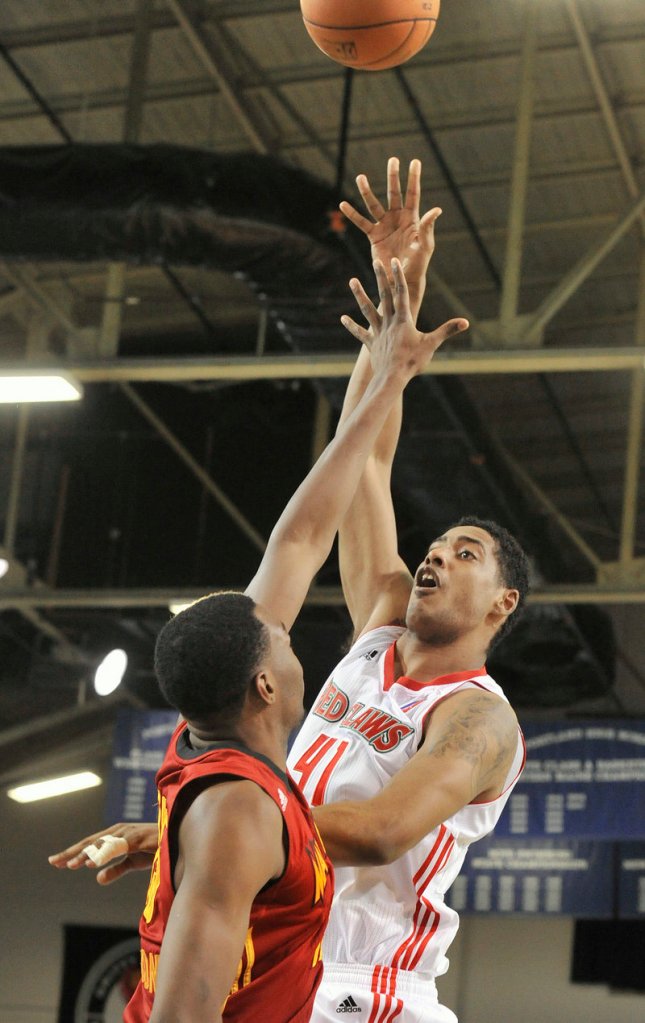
(254, 734)
(423, 661)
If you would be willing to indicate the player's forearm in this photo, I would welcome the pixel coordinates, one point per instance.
(316, 509)
(377, 831)
(354, 836)
(385, 444)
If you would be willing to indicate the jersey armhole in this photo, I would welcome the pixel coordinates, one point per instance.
(182, 804)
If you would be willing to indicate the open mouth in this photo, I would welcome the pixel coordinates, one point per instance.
(426, 581)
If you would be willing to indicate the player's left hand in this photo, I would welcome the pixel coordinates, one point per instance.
(398, 231)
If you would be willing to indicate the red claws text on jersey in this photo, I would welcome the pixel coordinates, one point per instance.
(383, 731)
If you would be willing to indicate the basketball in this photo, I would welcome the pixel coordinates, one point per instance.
(370, 34)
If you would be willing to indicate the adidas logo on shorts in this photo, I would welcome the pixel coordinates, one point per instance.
(348, 1005)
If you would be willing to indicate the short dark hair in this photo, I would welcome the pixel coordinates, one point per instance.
(514, 568)
(206, 656)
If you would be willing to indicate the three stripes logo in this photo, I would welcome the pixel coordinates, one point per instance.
(348, 1005)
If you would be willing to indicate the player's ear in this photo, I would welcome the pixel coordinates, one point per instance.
(263, 687)
(507, 602)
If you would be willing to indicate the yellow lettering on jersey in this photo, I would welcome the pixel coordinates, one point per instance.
(245, 965)
(149, 964)
(155, 874)
(317, 955)
(321, 869)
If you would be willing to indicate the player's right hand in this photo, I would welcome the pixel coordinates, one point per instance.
(141, 842)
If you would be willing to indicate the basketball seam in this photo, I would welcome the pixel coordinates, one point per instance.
(362, 28)
(387, 56)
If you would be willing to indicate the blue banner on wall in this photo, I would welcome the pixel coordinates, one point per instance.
(140, 741)
(551, 877)
(582, 780)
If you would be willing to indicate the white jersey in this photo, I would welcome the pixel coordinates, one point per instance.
(364, 727)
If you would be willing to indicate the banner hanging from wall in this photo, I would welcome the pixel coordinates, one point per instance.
(140, 741)
(583, 780)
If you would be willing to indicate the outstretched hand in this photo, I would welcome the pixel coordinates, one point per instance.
(395, 344)
(141, 841)
(398, 231)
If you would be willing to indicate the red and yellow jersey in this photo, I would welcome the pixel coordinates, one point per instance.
(280, 965)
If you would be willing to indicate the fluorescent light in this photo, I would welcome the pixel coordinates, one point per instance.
(38, 387)
(54, 787)
(110, 672)
(4, 567)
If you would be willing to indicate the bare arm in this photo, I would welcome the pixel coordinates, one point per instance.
(208, 922)
(302, 538)
(469, 747)
(376, 582)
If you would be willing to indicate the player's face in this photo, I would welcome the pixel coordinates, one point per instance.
(285, 667)
(456, 587)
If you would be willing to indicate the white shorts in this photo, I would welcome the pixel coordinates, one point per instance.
(376, 994)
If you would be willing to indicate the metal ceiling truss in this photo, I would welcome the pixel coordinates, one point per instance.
(218, 62)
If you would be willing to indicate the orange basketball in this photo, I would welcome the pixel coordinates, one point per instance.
(370, 34)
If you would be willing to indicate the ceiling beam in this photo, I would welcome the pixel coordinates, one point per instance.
(322, 366)
(323, 596)
(213, 57)
(197, 470)
(604, 101)
(509, 298)
(585, 266)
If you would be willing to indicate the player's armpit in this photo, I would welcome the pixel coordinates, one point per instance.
(469, 746)
(230, 847)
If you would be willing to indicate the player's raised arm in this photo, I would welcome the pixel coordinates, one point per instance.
(302, 538)
(376, 582)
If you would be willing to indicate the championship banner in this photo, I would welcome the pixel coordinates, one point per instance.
(140, 741)
(571, 878)
(582, 780)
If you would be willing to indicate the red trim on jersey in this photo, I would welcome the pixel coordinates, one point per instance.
(426, 918)
(389, 678)
(426, 863)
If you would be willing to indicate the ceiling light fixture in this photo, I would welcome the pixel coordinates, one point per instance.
(110, 672)
(54, 787)
(27, 387)
(176, 608)
(4, 567)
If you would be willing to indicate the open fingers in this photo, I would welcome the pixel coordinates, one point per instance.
(372, 204)
(400, 295)
(365, 304)
(384, 289)
(355, 329)
(359, 221)
(394, 198)
(413, 190)
(446, 330)
(74, 856)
